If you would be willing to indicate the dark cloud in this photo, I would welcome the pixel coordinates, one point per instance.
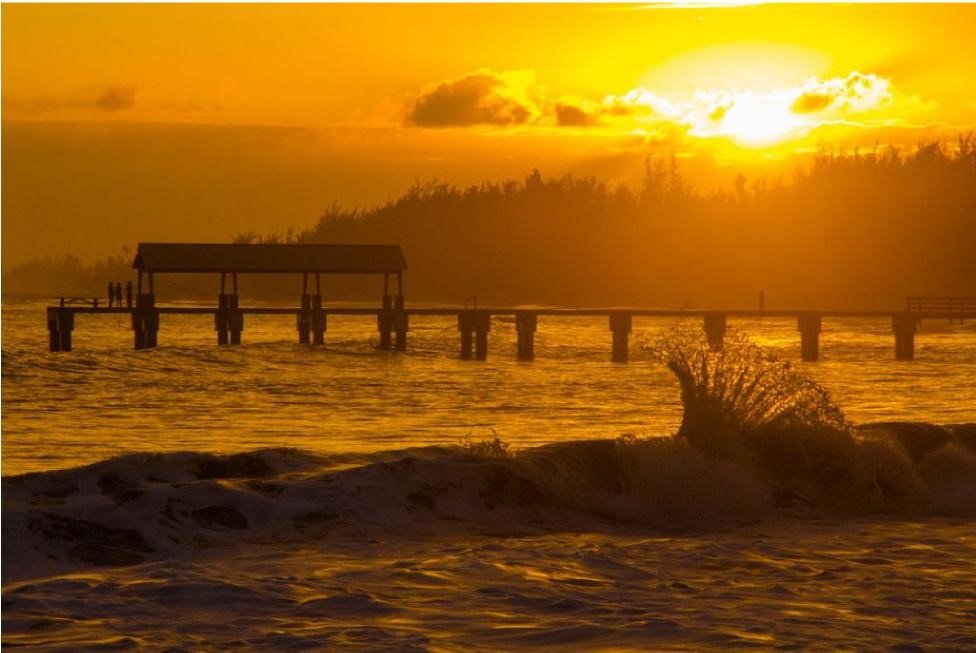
(568, 115)
(478, 99)
(116, 98)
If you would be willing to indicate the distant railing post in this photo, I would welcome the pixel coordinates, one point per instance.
(525, 328)
(715, 325)
(904, 326)
(620, 325)
(809, 325)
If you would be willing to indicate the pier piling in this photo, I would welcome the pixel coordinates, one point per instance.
(304, 320)
(60, 324)
(317, 320)
(904, 324)
(145, 321)
(228, 320)
(525, 327)
(715, 325)
(466, 329)
(620, 325)
(809, 325)
(384, 321)
(482, 325)
(400, 324)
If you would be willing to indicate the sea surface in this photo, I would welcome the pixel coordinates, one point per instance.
(277, 496)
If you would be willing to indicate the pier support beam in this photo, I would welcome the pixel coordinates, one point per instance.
(466, 329)
(904, 325)
(229, 320)
(317, 320)
(809, 325)
(304, 321)
(60, 323)
(145, 321)
(715, 327)
(620, 325)
(400, 324)
(482, 325)
(384, 323)
(477, 324)
(525, 327)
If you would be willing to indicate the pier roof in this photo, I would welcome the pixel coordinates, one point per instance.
(257, 258)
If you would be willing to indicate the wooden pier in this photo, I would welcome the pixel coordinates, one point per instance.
(393, 316)
(474, 324)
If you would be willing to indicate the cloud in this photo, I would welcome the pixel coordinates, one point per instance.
(481, 98)
(856, 92)
(570, 115)
(117, 97)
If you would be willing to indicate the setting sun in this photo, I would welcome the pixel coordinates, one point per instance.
(755, 121)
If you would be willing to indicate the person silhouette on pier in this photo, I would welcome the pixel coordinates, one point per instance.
(118, 294)
(111, 294)
(128, 293)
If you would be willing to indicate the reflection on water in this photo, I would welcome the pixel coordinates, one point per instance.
(104, 399)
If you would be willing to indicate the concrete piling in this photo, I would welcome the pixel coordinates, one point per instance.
(715, 325)
(400, 324)
(228, 320)
(317, 322)
(145, 321)
(904, 325)
(60, 324)
(621, 325)
(384, 322)
(525, 327)
(809, 325)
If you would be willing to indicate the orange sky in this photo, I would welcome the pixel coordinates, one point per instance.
(207, 120)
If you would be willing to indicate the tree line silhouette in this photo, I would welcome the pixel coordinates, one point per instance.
(855, 229)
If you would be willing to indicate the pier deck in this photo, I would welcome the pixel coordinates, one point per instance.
(474, 324)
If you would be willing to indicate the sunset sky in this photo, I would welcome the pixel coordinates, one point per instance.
(140, 122)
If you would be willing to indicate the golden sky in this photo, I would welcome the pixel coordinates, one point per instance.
(261, 115)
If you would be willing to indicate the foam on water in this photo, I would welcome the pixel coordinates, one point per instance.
(136, 508)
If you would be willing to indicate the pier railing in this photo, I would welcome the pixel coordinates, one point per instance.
(474, 324)
(957, 308)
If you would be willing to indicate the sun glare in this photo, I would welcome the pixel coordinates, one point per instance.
(757, 121)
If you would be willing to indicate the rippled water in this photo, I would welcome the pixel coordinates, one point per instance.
(376, 536)
(104, 398)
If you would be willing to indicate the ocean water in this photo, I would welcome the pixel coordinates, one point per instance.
(276, 496)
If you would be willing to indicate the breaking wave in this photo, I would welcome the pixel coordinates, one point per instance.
(758, 441)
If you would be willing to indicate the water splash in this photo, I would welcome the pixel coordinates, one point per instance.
(741, 391)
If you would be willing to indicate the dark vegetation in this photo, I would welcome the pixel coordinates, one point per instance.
(860, 229)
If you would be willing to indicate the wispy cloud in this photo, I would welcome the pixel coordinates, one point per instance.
(856, 92)
(116, 98)
(111, 98)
